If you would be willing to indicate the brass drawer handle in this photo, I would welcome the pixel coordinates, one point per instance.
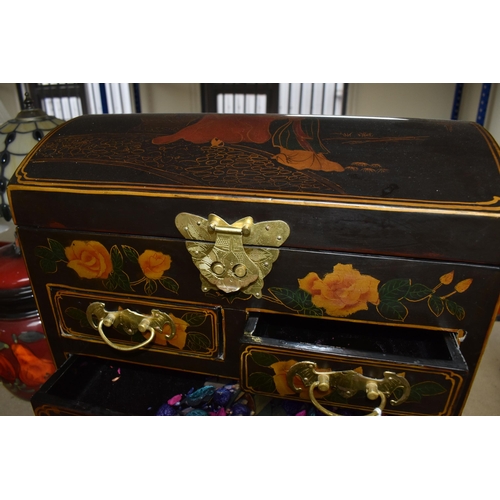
(130, 322)
(347, 384)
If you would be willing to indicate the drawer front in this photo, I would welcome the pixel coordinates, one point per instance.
(432, 391)
(196, 328)
(419, 372)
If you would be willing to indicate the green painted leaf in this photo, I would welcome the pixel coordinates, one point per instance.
(118, 279)
(392, 309)
(45, 253)
(131, 253)
(57, 249)
(116, 259)
(418, 292)
(197, 342)
(455, 309)
(313, 311)
(77, 314)
(436, 305)
(150, 287)
(395, 289)
(423, 389)
(30, 336)
(3, 345)
(48, 266)
(451, 306)
(460, 314)
(262, 382)
(110, 283)
(194, 319)
(297, 300)
(264, 359)
(169, 284)
(123, 281)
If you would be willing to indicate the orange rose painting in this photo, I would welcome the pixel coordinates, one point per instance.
(280, 370)
(92, 260)
(179, 339)
(89, 259)
(154, 264)
(263, 381)
(342, 292)
(346, 291)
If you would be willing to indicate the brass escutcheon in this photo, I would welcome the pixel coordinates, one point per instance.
(232, 257)
(130, 322)
(347, 384)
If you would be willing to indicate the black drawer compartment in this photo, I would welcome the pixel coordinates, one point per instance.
(93, 386)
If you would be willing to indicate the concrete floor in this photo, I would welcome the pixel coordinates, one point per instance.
(483, 399)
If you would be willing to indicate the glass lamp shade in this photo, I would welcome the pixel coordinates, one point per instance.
(17, 138)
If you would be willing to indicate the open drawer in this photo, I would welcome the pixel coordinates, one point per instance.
(405, 371)
(86, 385)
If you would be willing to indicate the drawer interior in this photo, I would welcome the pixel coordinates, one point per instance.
(97, 386)
(342, 337)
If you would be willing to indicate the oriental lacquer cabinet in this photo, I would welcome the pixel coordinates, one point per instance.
(348, 262)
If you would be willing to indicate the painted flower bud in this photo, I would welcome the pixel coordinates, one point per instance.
(463, 285)
(447, 278)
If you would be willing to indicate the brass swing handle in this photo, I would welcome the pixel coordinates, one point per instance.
(347, 384)
(130, 322)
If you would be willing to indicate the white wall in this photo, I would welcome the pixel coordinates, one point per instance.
(170, 97)
(401, 100)
(422, 100)
(9, 102)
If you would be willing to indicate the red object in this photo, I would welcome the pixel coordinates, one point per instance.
(25, 358)
(229, 129)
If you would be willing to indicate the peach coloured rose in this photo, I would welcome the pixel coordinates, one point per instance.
(342, 292)
(179, 339)
(33, 371)
(89, 259)
(280, 369)
(154, 264)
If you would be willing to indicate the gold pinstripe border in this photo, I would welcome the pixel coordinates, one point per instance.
(490, 208)
(55, 292)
